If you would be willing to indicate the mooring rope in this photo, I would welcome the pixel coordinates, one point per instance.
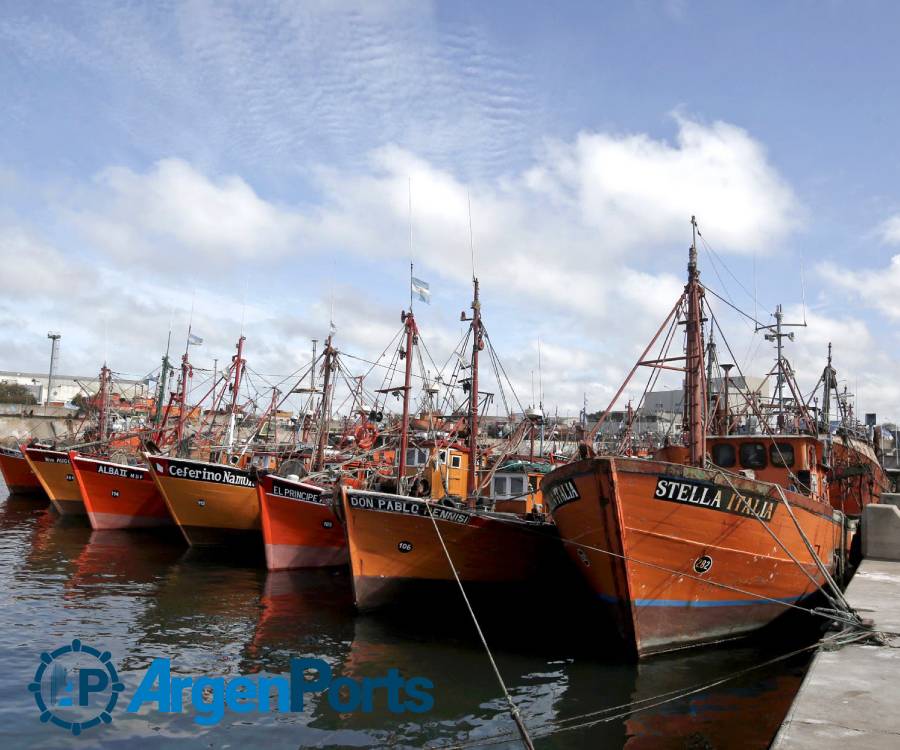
(514, 710)
(624, 710)
(821, 612)
(839, 602)
(839, 595)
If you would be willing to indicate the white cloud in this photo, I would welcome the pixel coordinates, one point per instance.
(549, 232)
(862, 363)
(173, 208)
(585, 249)
(889, 231)
(636, 190)
(25, 260)
(283, 83)
(877, 288)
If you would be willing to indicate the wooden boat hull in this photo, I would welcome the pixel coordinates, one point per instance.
(397, 556)
(214, 505)
(54, 472)
(17, 474)
(300, 529)
(677, 556)
(118, 496)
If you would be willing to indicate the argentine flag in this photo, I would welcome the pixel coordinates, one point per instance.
(421, 290)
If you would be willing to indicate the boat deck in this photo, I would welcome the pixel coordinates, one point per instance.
(849, 697)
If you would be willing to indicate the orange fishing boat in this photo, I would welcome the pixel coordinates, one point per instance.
(118, 496)
(17, 474)
(399, 545)
(857, 477)
(213, 504)
(684, 555)
(54, 471)
(299, 524)
(300, 529)
(396, 554)
(706, 541)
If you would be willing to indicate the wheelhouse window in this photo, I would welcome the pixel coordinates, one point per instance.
(753, 455)
(455, 461)
(723, 455)
(416, 457)
(509, 485)
(781, 454)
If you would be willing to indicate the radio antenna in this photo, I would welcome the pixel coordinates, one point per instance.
(471, 234)
(802, 288)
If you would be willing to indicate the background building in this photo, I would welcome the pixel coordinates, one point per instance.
(672, 401)
(67, 387)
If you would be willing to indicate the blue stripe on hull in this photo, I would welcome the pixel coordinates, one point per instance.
(690, 604)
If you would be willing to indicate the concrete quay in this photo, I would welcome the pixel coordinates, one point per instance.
(849, 698)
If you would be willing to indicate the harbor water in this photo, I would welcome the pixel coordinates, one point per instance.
(143, 596)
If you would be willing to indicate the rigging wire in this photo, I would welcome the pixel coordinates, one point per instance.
(724, 265)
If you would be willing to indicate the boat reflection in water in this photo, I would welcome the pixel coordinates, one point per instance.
(144, 596)
(742, 713)
(22, 515)
(124, 562)
(301, 613)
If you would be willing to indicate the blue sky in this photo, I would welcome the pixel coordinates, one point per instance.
(255, 158)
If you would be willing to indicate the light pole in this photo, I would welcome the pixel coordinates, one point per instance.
(54, 353)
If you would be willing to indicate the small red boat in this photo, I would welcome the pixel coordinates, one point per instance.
(299, 527)
(17, 474)
(118, 496)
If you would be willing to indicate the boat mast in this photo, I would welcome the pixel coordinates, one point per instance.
(238, 367)
(412, 333)
(711, 358)
(325, 416)
(694, 385)
(776, 333)
(477, 345)
(726, 378)
(273, 419)
(103, 407)
(829, 382)
(182, 400)
(163, 376)
(779, 377)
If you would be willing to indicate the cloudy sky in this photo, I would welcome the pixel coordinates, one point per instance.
(257, 160)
